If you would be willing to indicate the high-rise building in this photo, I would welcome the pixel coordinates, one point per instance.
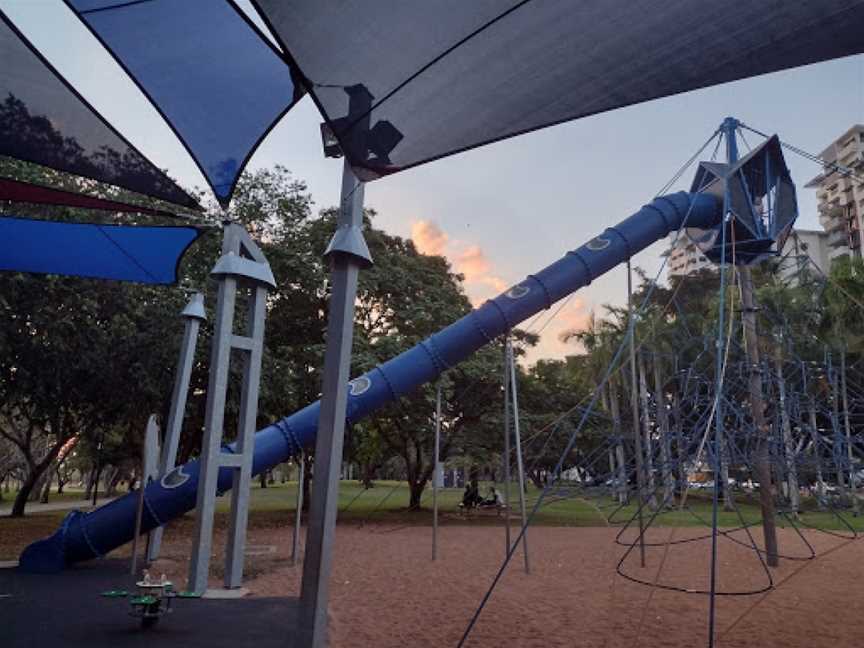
(840, 191)
(684, 257)
(803, 249)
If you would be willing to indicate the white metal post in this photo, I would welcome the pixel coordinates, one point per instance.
(193, 314)
(520, 468)
(298, 516)
(505, 460)
(435, 471)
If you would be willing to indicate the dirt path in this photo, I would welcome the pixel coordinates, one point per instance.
(387, 592)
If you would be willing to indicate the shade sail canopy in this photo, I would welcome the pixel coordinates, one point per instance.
(212, 75)
(449, 75)
(141, 254)
(26, 192)
(45, 121)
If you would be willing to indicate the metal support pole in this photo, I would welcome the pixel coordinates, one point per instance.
(757, 410)
(149, 458)
(435, 470)
(193, 314)
(298, 515)
(519, 467)
(634, 408)
(348, 254)
(139, 512)
(506, 458)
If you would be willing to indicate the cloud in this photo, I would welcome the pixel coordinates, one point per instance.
(575, 316)
(482, 283)
(428, 237)
(468, 260)
(472, 262)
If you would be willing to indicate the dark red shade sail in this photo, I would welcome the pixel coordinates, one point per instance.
(25, 192)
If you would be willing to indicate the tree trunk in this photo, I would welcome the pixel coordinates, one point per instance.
(757, 410)
(835, 425)
(615, 410)
(679, 438)
(46, 487)
(786, 427)
(38, 487)
(262, 479)
(848, 429)
(646, 431)
(24, 492)
(663, 429)
(814, 433)
(91, 481)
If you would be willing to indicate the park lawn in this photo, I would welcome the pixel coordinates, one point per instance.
(387, 503)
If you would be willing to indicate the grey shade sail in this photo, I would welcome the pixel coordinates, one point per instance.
(450, 75)
(45, 121)
(216, 80)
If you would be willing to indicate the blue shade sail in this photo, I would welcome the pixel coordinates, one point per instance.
(45, 121)
(212, 75)
(449, 75)
(140, 254)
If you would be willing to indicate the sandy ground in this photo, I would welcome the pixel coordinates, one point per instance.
(386, 591)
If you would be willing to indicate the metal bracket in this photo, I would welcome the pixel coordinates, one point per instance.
(237, 266)
(349, 240)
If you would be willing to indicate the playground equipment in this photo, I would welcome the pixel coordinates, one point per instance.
(83, 536)
(761, 173)
(152, 600)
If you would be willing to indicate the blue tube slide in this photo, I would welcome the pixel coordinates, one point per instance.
(84, 536)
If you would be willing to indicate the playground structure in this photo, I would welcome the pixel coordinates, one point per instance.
(84, 536)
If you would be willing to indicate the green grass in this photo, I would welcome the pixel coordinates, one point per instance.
(387, 503)
(69, 495)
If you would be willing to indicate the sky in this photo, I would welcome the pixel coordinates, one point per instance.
(508, 209)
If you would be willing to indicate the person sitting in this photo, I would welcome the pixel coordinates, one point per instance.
(471, 497)
(494, 498)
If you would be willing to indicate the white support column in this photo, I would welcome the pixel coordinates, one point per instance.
(298, 516)
(505, 459)
(520, 468)
(241, 263)
(193, 314)
(149, 459)
(436, 455)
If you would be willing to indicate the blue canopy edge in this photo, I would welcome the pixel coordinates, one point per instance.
(136, 253)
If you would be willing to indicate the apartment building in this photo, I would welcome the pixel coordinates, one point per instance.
(684, 257)
(840, 192)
